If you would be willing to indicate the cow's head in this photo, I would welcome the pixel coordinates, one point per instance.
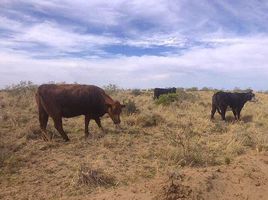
(250, 96)
(114, 111)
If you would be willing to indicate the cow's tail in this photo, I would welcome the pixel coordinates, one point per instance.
(215, 105)
(38, 99)
(215, 102)
(40, 102)
(43, 115)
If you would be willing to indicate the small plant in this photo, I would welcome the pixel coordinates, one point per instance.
(185, 96)
(219, 127)
(206, 89)
(32, 133)
(167, 99)
(111, 88)
(130, 107)
(227, 160)
(180, 96)
(136, 92)
(94, 178)
(148, 120)
(192, 89)
(187, 146)
(22, 88)
(174, 189)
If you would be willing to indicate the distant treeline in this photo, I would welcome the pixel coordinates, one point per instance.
(24, 86)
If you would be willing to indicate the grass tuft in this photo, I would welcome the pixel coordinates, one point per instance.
(95, 177)
(149, 120)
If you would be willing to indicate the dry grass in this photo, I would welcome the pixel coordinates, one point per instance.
(154, 139)
(94, 177)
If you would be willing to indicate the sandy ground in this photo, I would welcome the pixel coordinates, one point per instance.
(140, 161)
(247, 178)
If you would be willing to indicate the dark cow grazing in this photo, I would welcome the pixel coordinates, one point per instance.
(160, 91)
(236, 101)
(70, 100)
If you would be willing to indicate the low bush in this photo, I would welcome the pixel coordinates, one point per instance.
(149, 119)
(111, 88)
(136, 92)
(206, 89)
(185, 96)
(22, 88)
(188, 148)
(167, 99)
(192, 89)
(130, 108)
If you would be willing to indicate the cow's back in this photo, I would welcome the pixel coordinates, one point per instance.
(71, 100)
(220, 98)
(227, 98)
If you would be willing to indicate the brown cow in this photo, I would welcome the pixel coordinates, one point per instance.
(70, 100)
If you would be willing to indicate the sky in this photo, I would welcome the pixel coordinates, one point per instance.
(135, 44)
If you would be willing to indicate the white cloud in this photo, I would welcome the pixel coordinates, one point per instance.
(235, 62)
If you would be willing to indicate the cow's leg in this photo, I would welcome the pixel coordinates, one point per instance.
(58, 126)
(87, 119)
(238, 113)
(98, 122)
(234, 112)
(43, 119)
(213, 110)
(223, 111)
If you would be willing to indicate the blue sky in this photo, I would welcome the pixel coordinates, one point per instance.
(135, 44)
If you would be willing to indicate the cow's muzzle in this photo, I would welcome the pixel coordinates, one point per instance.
(254, 100)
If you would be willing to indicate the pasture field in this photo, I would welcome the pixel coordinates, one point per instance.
(166, 150)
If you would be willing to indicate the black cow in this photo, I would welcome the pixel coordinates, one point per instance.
(236, 101)
(160, 91)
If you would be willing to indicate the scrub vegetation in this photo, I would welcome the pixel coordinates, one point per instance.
(166, 149)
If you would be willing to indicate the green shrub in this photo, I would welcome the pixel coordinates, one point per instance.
(136, 92)
(167, 99)
(130, 107)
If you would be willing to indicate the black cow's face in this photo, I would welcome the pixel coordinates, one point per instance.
(114, 111)
(250, 96)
